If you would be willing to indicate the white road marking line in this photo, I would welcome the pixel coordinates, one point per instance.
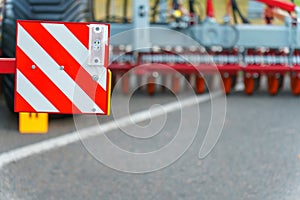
(69, 138)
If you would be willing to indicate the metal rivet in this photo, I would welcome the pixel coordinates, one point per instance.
(95, 77)
(94, 109)
(33, 67)
(62, 68)
(155, 74)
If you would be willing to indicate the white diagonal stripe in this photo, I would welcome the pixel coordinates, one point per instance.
(77, 50)
(59, 77)
(32, 95)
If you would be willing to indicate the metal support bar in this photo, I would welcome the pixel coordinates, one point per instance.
(7, 65)
(141, 24)
(29, 123)
(244, 36)
(163, 11)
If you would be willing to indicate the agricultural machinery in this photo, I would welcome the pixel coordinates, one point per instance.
(237, 50)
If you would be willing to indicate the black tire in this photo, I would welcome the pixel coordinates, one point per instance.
(53, 10)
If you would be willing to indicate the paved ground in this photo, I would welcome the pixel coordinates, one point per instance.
(257, 156)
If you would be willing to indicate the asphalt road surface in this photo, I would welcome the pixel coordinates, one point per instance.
(257, 156)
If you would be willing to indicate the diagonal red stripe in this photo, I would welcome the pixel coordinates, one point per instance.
(21, 105)
(71, 66)
(40, 81)
(81, 32)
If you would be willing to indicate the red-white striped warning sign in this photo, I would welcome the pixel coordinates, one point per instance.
(62, 67)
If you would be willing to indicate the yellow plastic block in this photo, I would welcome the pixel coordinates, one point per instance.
(33, 123)
(109, 92)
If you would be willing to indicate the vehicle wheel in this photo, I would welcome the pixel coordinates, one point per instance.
(151, 85)
(175, 84)
(8, 90)
(249, 83)
(61, 10)
(199, 84)
(273, 84)
(295, 85)
(227, 82)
